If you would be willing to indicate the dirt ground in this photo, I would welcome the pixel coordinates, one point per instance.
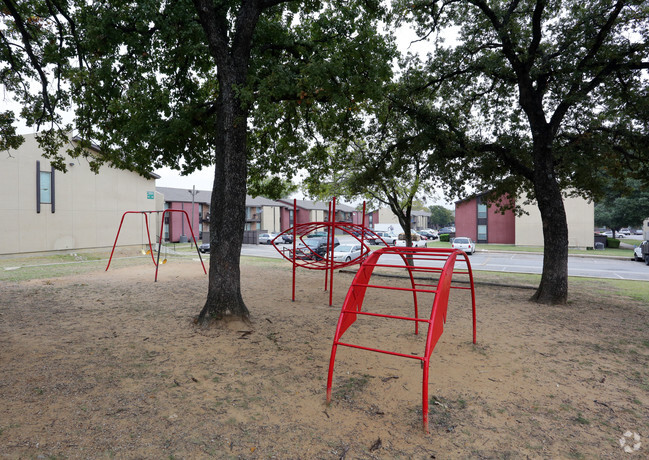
(111, 365)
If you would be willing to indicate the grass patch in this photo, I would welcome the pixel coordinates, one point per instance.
(350, 386)
(23, 267)
(539, 249)
(637, 290)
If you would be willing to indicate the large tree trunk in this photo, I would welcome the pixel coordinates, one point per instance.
(228, 209)
(231, 53)
(554, 280)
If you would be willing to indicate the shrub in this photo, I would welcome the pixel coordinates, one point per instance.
(613, 243)
(444, 237)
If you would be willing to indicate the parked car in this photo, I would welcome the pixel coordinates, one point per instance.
(307, 248)
(638, 232)
(430, 234)
(267, 238)
(287, 238)
(464, 244)
(389, 238)
(205, 247)
(366, 235)
(625, 232)
(311, 248)
(347, 252)
(417, 242)
(446, 230)
(609, 234)
(638, 253)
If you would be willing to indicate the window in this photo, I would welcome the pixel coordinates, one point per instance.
(44, 187)
(482, 211)
(290, 218)
(482, 233)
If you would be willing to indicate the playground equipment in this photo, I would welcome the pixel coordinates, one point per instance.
(420, 261)
(321, 257)
(148, 234)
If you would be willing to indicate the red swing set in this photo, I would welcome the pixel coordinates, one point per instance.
(148, 234)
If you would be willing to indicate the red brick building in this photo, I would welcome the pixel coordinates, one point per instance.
(483, 223)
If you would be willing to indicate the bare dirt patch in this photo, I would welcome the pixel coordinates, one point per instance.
(110, 364)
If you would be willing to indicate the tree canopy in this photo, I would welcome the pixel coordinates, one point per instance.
(245, 85)
(620, 207)
(383, 162)
(440, 216)
(536, 96)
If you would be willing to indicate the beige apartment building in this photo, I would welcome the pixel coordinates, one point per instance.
(580, 214)
(47, 210)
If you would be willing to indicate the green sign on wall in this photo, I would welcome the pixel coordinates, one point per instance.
(149, 195)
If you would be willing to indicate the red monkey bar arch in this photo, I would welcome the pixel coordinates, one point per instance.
(423, 260)
(146, 219)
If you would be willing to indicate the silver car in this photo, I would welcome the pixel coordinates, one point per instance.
(347, 252)
(267, 238)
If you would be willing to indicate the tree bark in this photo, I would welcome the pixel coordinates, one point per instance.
(553, 288)
(228, 204)
(227, 212)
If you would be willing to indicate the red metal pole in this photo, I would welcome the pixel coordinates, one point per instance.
(162, 223)
(294, 243)
(148, 234)
(333, 238)
(194, 238)
(116, 236)
(363, 224)
(326, 257)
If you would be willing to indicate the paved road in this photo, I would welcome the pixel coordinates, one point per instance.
(587, 266)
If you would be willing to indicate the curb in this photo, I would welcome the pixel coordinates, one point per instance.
(587, 256)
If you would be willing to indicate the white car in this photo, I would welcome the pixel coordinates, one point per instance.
(637, 252)
(267, 238)
(464, 244)
(347, 252)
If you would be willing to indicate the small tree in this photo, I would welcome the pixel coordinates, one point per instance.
(440, 216)
(624, 205)
(385, 165)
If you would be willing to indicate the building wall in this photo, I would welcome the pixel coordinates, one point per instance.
(270, 219)
(501, 228)
(386, 216)
(88, 206)
(580, 214)
(466, 219)
(420, 222)
(178, 223)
